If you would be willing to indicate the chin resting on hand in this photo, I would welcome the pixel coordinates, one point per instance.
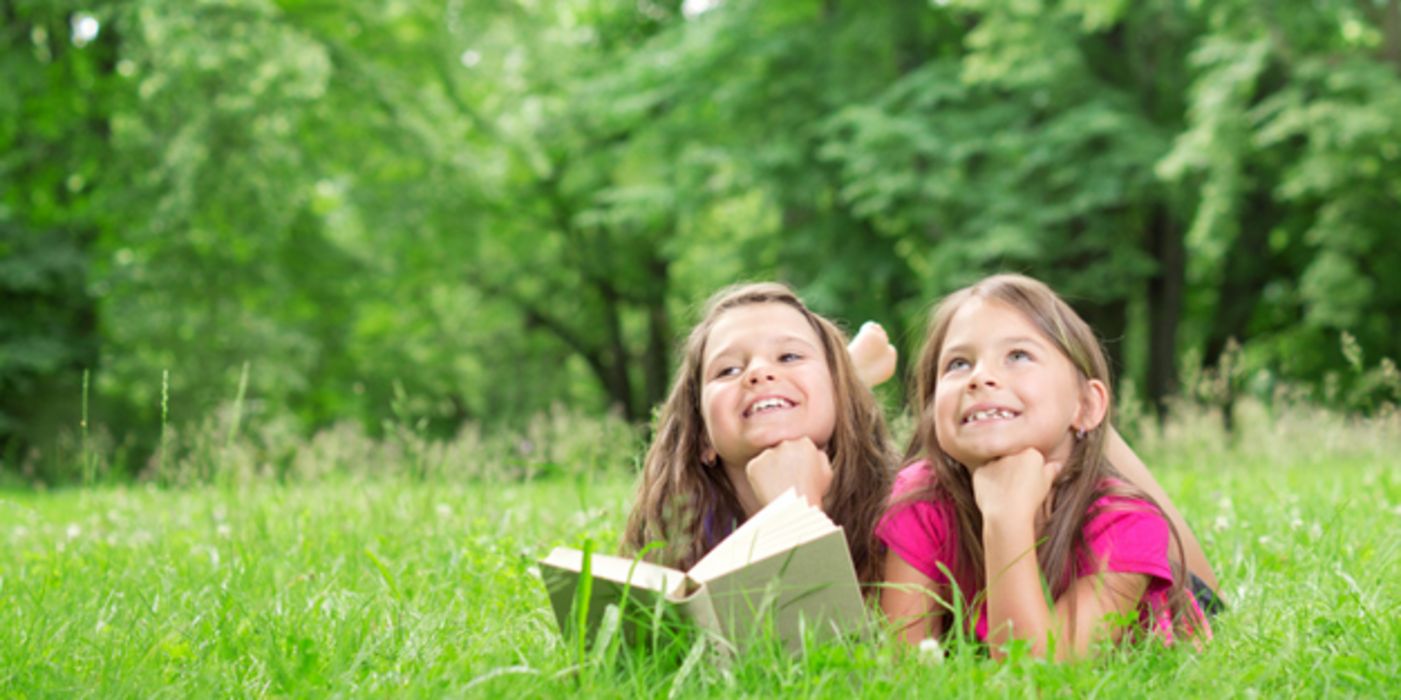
(1014, 486)
(795, 464)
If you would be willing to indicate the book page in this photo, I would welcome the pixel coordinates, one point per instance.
(642, 602)
(617, 569)
(812, 585)
(783, 524)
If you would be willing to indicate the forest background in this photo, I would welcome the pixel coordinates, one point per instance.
(462, 215)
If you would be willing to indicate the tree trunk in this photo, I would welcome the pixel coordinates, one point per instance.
(1109, 319)
(657, 359)
(1166, 289)
(1390, 21)
(1249, 266)
(618, 383)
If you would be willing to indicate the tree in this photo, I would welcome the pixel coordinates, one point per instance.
(51, 211)
(1292, 142)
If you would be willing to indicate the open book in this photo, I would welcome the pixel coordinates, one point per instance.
(788, 566)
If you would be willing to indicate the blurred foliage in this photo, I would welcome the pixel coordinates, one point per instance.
(468, 212)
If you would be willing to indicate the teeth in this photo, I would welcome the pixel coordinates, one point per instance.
(767, 404)
(988, 414)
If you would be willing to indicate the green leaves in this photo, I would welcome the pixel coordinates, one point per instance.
(346, 195)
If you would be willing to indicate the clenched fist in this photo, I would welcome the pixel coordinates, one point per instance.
(1014, 486)
(790, 464)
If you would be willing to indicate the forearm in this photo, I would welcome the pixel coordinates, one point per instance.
(907, 599)
(1016, 605)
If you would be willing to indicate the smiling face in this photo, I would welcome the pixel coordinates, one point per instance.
(1003, 387)
(764, 380)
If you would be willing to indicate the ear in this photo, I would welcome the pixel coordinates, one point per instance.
(1094, 403)
(709, 457)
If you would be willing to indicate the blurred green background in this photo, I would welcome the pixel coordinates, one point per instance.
(471, 212)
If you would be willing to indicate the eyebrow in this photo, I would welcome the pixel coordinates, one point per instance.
(1015, 340)
(779, 340)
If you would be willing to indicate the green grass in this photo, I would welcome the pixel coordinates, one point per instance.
(395, 585)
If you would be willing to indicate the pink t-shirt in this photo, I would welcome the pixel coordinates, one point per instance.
(1128, 535)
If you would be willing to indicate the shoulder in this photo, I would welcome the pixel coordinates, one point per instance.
(1129, 534)
(1115, 509)
(921, 531)
(912, 478)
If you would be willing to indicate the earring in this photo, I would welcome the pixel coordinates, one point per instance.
(1080, 433)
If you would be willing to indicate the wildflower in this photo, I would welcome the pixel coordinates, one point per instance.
(930, 650)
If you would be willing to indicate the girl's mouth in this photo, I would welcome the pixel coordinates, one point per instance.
(989, 414)
(764, 405)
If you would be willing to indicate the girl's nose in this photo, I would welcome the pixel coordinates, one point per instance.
(981, 377)
(760, 372)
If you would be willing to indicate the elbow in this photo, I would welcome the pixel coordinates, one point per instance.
(1002, 652)
(1037, 646)
(912, 630)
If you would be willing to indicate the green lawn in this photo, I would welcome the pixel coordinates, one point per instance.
(393, 586)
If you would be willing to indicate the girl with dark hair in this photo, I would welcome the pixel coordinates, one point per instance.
(767, 398)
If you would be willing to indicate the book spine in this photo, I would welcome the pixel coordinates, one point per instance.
(697, 606)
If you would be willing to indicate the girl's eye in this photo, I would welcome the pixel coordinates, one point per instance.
(1019, 355)
(956, 364)
(789, 357)
(729, 371)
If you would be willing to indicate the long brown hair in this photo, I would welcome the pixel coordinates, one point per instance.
(1086, 476)
(688, 506)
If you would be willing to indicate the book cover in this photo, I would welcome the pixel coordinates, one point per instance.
(785, 570)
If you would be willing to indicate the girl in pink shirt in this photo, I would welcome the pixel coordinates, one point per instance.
(1011, 488)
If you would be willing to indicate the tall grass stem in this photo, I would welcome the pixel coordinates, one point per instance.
(165, 422)
(237, 407)
(88, 460)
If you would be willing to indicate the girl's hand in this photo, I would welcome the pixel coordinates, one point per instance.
(790, 464)
(1015, 486)
(872, 354)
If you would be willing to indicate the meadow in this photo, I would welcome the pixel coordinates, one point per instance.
(344, 566)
